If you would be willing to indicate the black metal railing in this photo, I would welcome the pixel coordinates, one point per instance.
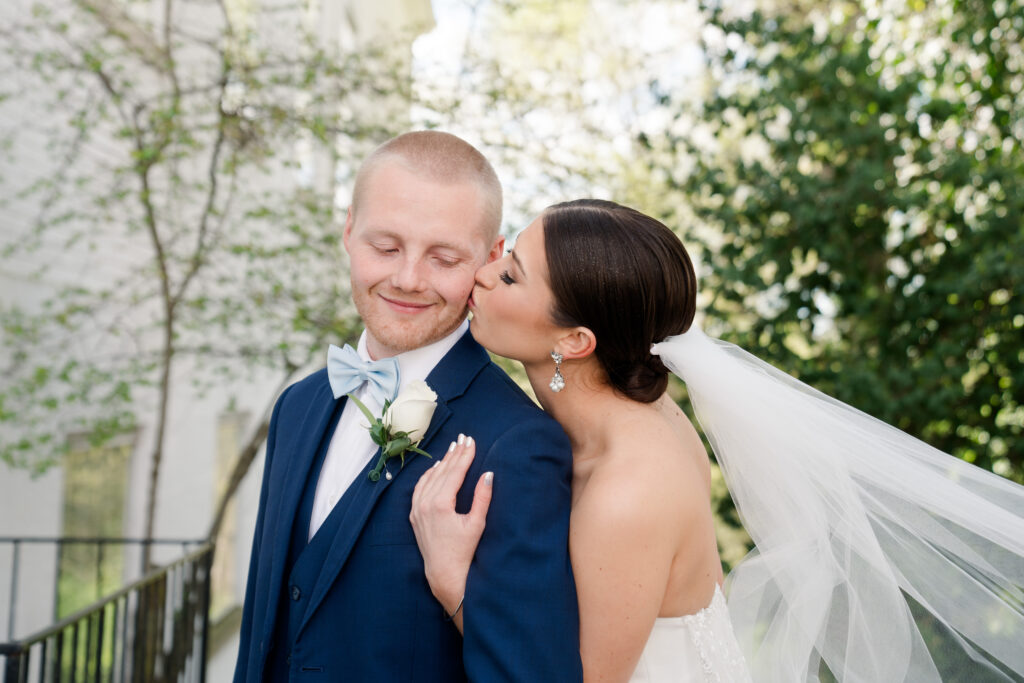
(101, 584)
(155, 629)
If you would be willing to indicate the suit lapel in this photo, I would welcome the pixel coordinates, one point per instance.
(449, 380)
(312, 431)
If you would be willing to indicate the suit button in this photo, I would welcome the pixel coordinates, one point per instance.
(296, 593)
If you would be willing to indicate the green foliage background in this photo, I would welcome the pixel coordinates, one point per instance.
(860, 211)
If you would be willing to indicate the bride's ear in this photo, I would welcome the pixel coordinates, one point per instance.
(577, 342)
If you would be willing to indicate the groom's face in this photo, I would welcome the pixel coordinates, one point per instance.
(414, 245)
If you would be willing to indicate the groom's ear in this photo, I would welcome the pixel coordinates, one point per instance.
(497, 250)
(347, 233)
(577, 342)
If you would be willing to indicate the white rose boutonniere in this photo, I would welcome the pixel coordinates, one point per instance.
(412, 410)
(403, 424)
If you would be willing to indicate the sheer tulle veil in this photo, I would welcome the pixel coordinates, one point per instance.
(868, 541)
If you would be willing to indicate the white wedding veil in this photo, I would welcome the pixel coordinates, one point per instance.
(877, 554)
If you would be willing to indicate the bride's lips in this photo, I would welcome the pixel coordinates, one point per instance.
(405, 306)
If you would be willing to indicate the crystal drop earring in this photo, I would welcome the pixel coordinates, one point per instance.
(558, 381)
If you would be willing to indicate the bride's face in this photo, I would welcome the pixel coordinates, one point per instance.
(512, 302)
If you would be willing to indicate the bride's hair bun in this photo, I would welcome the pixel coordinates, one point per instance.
(647, 381)
(627, 278)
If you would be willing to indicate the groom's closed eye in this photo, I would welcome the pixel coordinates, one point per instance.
(446, 260)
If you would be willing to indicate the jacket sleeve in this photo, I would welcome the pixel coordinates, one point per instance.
(246, 635)
(521, 620)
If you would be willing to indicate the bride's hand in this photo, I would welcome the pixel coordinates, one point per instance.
(447, 539)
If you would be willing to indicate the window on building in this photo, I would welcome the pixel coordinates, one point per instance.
(95, 482)
(224, 594)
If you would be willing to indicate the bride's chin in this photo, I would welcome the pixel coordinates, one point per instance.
(474, 329)
(479, 332)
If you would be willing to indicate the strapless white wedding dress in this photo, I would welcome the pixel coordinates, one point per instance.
(696, 648)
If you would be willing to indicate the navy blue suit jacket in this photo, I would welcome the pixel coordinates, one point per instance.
(371, 615)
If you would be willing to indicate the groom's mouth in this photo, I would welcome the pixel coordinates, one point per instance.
(405, 306)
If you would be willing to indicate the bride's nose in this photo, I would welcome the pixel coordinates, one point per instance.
(487, 275)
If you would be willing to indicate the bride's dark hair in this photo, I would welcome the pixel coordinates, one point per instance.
(627, 278)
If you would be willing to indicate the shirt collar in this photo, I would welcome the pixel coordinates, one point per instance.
(417, 363)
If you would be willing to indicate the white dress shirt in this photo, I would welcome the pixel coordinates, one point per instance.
(351, 447)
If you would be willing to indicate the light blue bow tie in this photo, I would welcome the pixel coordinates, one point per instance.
(347, 372)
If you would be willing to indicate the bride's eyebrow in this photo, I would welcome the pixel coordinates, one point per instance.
(518, 262)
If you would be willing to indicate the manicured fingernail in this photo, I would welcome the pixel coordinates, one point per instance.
(469, 441)
(489, 478)
(451, 447)
(438, 462)
(462, 439)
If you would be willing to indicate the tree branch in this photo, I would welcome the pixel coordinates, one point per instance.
(118, 23)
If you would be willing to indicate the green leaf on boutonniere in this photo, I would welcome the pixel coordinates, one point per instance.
(398, 446)
(377, 432)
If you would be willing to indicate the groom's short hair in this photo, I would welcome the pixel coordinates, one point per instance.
(438, 157)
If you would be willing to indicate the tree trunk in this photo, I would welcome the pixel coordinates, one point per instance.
(158, 445)
(245, 459)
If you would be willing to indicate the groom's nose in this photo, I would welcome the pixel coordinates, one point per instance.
(408, 276)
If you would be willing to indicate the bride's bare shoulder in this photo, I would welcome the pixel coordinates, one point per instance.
(655, 464)
(662, 436)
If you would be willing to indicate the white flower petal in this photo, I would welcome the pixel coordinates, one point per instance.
(412, 410)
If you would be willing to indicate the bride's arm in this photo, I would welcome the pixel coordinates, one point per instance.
(622, 540)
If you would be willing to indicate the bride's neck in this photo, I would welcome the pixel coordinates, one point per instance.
(587, 408)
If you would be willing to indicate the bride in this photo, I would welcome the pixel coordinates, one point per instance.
(850, 517)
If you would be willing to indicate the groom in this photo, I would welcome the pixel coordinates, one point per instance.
(336, 590)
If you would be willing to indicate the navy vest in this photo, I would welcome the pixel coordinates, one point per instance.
(305, 559)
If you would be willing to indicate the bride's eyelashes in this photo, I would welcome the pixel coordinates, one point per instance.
(506, 278)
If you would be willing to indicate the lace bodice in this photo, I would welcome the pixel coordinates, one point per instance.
(694, 648)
